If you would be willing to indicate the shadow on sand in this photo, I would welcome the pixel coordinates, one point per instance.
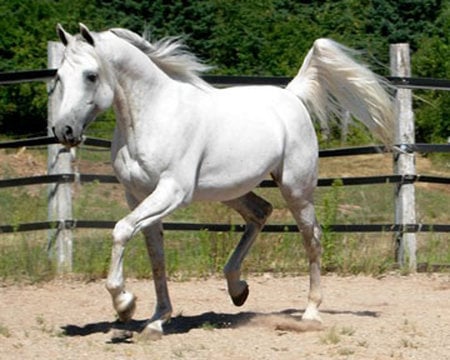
(183, 324)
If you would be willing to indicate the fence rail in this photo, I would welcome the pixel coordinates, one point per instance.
(347, 151)
(111, 179)
(269, 228)
(232, 80)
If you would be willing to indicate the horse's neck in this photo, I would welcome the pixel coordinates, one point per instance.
(137, 79)
(126, 117)
(131, 67)
(134, 102)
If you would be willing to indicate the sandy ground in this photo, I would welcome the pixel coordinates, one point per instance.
(392, 317)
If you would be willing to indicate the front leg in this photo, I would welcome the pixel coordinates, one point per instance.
(166, 198)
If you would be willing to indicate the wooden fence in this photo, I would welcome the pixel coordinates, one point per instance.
(61, 176)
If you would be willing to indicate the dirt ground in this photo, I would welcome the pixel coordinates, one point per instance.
(392, 317)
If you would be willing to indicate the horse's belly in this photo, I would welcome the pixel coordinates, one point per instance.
(223, 191)
(226, 182)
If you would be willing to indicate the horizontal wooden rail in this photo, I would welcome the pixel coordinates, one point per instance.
(231, 80)
(111, 179)
(346, 151)
(269, 228)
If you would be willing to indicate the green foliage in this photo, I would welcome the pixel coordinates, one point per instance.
(431, 107)
(27, 26)
(268, 37)
(403, 20)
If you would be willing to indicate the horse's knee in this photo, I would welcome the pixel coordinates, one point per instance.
(122, 232)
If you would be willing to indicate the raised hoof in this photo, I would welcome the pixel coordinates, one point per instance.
(125, 306)
(240, 299)
(127, 315)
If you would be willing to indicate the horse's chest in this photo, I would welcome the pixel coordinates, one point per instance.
(137, 180)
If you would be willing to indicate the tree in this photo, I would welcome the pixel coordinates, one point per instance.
(255, 37)
(26, 28)
(432, 108)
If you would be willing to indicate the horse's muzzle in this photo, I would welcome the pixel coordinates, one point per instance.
(66, 136)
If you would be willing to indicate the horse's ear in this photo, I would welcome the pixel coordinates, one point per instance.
(86, 34)
(64, 36)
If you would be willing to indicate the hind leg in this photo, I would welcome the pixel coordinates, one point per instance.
(311, 232)
(163, 309)
(303, 211)
(255, 212)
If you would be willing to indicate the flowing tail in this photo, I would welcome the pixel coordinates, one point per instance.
(330, 81)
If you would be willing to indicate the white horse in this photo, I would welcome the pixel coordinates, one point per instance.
(178, 140)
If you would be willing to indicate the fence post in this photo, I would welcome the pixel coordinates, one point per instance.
(59, 195)
(404, 159)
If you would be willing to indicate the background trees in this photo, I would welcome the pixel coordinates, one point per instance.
(255, 37)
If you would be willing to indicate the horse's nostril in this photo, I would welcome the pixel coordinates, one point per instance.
(68, 131)
(68, 136)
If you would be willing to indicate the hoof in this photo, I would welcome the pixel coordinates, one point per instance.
(312, 314)
(240, 299)
(152, 332)
(125, 306)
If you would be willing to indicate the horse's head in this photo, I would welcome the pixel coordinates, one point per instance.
(83, 85)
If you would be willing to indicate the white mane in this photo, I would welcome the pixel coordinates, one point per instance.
(170, 55)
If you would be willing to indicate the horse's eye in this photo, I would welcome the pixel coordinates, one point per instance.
(91, 77)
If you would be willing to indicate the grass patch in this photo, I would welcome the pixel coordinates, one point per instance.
(208, 326)
(4, 331)
(25, 258)
(334, 335)
(331, 336)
